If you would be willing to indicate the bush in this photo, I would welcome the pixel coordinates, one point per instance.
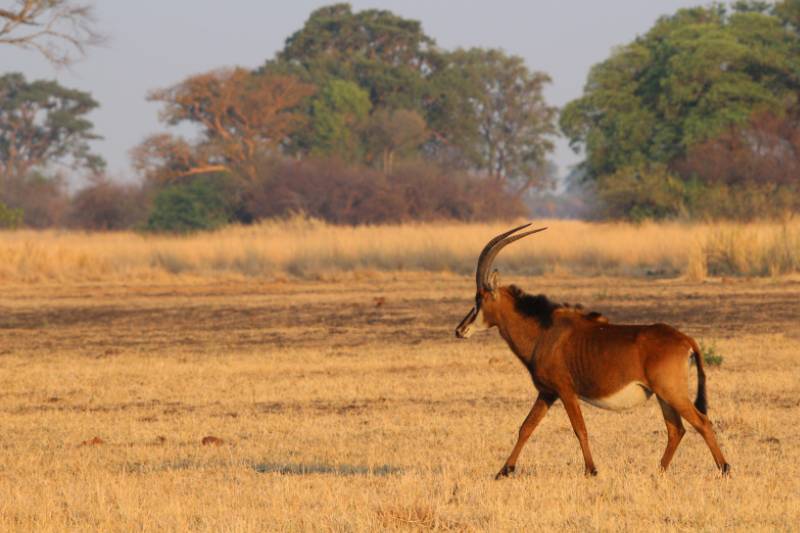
(746, 201)
(10, 218)
(335, 192)
(642, 192)
(105, 205)
(43, 200)
(206, 202)
(710, 355)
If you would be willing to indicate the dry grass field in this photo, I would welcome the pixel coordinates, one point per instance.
(310, 249)
(348, 405)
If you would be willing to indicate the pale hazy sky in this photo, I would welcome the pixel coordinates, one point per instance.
(156, 43)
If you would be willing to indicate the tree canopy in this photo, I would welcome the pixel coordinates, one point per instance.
(339, 113)
(383, 53)
(43, 123)
(241, 116)
(505, 126)
(481, 110)
(689, 80)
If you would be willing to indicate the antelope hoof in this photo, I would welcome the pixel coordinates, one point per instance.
(726, 470)
(505, 471)
(590, 472)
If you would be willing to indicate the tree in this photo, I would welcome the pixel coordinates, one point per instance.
(164, 157)
(43, 123)
(60, 30)
(498, 116)
(241, 117)
(395, 132)
(385, 54)
(480, 109)
(693, 75)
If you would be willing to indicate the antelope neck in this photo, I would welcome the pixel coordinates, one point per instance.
(519, 331)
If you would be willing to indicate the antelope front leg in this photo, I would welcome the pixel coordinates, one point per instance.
(539, 409)
(573, 409)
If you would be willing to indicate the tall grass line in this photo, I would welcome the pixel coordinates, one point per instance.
(305, 248)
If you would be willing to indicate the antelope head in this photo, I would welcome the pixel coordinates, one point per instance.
(481, 316)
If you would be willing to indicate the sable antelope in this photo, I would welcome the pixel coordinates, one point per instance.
(573, 355)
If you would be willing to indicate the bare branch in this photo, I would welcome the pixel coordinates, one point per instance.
(60, 30)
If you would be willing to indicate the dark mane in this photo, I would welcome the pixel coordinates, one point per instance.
(538, 307)
(542, 308)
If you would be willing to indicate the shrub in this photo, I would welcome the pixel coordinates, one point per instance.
(105, 205)
(43, 200)
(206, 202)
(641, 192)
(10, 218)
(330, 190)
(747, 201)
(710, 355)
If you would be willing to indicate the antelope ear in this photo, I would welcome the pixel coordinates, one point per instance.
(493, 282)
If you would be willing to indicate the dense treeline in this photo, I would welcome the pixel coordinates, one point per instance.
(362, 118)
(699, 117)
(359, 118)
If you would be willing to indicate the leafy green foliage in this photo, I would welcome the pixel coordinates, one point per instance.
(642, 192)
(43, 123)
(505, 121)
(376, 49)
(10, 218)
(476, 109)
(691, 78)
(202, 204)
(394, 132)
(339, 112)
(710, 354)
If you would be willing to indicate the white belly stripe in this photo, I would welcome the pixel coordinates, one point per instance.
(633, 394)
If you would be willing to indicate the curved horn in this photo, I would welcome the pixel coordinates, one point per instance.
(493, 247)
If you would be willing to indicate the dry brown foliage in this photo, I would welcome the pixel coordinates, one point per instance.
(766, 150)
(344, 194)
(106, 205)
(44, 201)
(242, 116)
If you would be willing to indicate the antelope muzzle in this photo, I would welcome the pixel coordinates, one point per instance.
(467, 326)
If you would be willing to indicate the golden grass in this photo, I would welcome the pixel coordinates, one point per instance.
(338, 414)
(308, 249)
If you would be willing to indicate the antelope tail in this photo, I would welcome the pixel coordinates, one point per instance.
(700, 401)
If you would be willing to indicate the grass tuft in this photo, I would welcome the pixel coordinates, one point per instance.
(711, 356)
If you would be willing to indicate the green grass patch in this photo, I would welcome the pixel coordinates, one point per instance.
(710, 354)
